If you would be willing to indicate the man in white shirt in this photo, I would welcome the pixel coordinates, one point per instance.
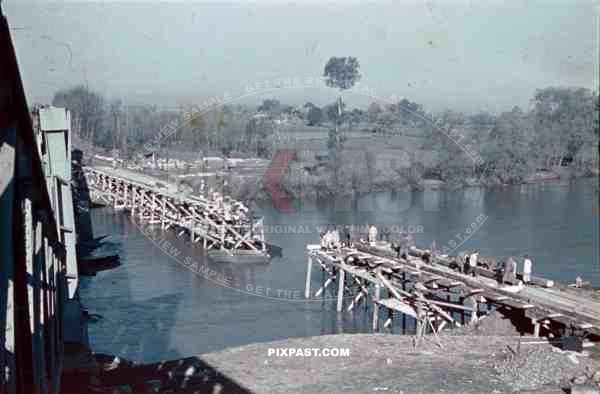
(372, 234)
(527, 267)
(473, 262)
(324, 241)
(335, 238)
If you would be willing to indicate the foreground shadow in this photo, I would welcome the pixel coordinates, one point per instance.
(186, 375)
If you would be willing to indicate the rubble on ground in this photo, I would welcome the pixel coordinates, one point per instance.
(492, 324)
(533, 366)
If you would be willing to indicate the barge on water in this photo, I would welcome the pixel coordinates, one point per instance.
(254, 249)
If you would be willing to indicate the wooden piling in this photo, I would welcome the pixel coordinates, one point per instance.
(376, 308)
(153, 207)
(419, 319)
(163, 218)
(536, 328)
(126, 195)
(309, 264)
(404, 314)
(475, 309)
(390, 320)
(340, 297)
(141, 213)
(133, 201)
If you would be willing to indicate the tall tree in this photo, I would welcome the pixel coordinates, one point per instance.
(385, 119)
(564, 118)
(373, 112)
(271, 106)
(115, 111)
(508, 152)
(314, 116)
(341, 73)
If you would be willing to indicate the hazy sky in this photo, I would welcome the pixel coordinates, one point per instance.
(464, 55)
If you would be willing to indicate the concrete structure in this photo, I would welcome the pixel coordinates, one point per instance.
(38, 267)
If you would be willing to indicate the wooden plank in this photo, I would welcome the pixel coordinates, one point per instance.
(399, 306)
(584, 325)
(514, 304)
(493, 297)
(473, 292)
(561, 319)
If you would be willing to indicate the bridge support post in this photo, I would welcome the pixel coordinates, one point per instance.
(341, 282)
(163, 212)
(536, 328)
(404, 314)
(141, 213)
(390, 319)
(419, 321)
(309, 264)
(475, 309)
(376, 308)
(125, 194)
(132, 201)
(154, 209)
(115, 194)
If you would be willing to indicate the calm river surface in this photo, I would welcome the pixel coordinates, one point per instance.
(155, 308)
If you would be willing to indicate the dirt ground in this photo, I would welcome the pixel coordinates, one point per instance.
(376, 363)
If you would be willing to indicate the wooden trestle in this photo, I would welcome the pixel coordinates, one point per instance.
(437, 296)
(220, 223)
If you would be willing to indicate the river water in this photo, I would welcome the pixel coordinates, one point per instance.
(155, 308)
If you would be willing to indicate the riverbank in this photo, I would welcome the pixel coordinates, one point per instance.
(243, 178)
(376, 362)
(330, 188)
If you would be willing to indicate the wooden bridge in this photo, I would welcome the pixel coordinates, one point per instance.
(218, 221)
(429, 289)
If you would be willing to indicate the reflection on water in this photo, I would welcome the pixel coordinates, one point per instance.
(155, 308)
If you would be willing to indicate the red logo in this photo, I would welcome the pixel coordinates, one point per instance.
(272, 180)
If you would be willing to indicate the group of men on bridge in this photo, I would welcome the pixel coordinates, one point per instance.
(332, 239)
(466, 262)
(506, 272)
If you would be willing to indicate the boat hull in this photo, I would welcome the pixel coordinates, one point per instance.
(239, 256)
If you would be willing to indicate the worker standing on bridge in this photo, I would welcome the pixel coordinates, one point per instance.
(335, 238)
(473, 262)
(405, 244)
(510, 271)
(372, 234)
(506, 272)
(460, 261)
(527, 268)
(323, 240)
(349, 236)
(514, 269)
(467, 264)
